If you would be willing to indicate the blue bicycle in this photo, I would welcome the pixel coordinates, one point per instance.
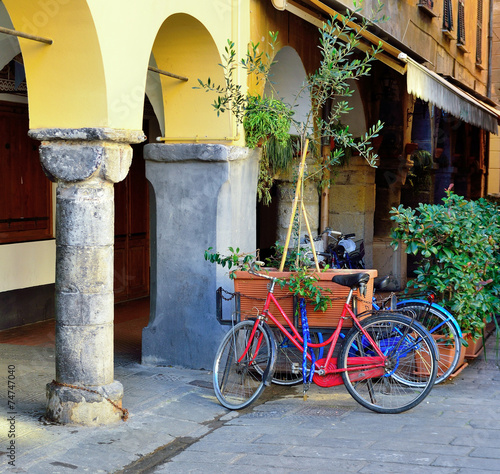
(437, 320)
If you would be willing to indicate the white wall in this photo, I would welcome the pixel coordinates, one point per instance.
(27, 264)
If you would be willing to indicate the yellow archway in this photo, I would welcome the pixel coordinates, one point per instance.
(184, 46)
(94, 74)
(68, 72)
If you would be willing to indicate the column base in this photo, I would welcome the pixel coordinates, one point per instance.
(68, 405)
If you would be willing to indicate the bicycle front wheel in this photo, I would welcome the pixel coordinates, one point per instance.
(243, 365)
(443, 329)
(409, 370)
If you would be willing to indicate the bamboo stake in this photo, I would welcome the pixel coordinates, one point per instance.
(169, 74)
(295, 203)
(8, 31)
(310, 236)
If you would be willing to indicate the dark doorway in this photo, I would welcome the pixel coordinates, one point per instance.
(267, 224)
(131, 272)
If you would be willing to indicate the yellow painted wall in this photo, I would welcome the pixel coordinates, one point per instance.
(423, 34)
(66, 80)
(494, 166)
(94, 73)
(183, 46)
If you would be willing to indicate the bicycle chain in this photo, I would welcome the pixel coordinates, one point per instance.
(123, 410)
(382, 301)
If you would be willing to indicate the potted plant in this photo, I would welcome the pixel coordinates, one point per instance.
(457, 242)
(324, 298)
(270, 121)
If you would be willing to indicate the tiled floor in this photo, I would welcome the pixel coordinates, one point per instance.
(130, 318)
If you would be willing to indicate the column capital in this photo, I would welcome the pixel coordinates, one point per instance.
(201, 152)
(75, 155)
(88, 134)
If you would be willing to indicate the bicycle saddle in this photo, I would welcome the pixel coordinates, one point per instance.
(352, 281)
(380, 283)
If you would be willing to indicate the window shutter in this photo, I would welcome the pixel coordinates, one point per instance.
(448, 15)
(461, 22)
(479, 32)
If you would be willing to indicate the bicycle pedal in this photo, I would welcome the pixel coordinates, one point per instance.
(296, 368)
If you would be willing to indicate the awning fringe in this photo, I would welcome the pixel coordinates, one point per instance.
(430, 87)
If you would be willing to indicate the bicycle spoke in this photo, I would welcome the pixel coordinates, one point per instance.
(242, 365)
(401, 384)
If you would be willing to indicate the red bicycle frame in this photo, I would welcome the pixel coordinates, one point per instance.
(354, 363)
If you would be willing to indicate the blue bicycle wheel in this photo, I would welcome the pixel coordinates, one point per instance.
(443, 328)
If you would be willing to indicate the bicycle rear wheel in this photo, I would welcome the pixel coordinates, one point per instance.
(444, 332)
(243, 365)
(409, 370)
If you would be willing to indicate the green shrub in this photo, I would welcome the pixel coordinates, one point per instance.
(458, 242)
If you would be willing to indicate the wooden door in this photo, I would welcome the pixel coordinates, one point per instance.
(132, 232)
(25, 191)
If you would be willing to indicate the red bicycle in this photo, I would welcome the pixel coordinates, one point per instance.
(387, 361)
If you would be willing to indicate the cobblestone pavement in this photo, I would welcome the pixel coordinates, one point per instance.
(177, 425)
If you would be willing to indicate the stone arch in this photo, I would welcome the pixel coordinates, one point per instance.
(184, 46)
(288, 78)
(356, 118)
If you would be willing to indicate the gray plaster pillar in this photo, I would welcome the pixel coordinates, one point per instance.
(85, 163)
(204, 195)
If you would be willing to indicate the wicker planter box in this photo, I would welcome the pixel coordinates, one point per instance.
(253, 292)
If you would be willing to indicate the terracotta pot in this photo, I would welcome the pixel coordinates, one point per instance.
(253, 291)
(446, 352)
(474, 348)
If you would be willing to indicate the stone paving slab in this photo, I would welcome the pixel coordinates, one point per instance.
(176, 426)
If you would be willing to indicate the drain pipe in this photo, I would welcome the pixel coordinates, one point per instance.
(488, 91)
(490, 49)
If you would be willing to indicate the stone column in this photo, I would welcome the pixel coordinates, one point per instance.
(204, 195)
(352, 203)
(85, 163)
(286, 195)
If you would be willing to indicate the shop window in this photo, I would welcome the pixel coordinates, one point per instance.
(25, 191)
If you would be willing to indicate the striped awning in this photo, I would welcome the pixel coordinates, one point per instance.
(430, 87)
(421, 81)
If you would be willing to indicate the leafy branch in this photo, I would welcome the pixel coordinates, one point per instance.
(266, 118)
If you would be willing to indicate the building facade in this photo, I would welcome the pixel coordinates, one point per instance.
(87, 85)
(494, 55)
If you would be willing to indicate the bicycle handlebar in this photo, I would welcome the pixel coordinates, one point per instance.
(332, 233)
(253, 270)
